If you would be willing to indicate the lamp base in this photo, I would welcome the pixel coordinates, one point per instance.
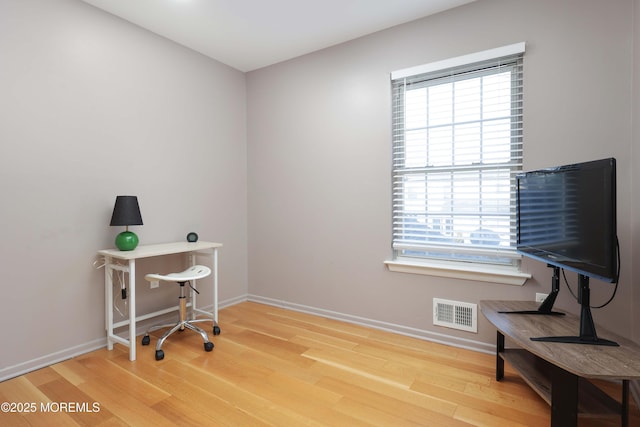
(126, 241)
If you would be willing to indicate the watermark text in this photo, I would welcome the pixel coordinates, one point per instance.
(51, 407)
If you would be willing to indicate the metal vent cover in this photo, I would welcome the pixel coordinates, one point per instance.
(455, 314)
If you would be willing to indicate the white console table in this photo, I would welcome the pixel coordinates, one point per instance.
(126, 261)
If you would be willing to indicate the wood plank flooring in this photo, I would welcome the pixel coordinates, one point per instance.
(276, 367)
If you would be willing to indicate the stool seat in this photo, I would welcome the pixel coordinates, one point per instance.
(194, 272)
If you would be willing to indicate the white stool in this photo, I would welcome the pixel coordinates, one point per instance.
(192, 273)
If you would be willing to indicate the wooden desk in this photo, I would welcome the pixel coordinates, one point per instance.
(111, 256)
(559, 372)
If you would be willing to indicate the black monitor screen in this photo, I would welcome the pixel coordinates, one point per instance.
(567, 217)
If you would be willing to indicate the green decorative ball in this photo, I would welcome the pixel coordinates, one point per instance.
(126, 241)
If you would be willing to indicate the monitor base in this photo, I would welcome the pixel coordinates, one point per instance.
(578, 340)
(548, 313)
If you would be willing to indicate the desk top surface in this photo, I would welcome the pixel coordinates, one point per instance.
(145, 251)
(585, 360)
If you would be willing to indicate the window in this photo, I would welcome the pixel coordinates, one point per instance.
(457, 146)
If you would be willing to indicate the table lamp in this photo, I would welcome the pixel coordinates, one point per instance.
(126, 212)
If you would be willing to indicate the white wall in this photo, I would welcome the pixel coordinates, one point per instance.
(92, 107)
(320, 154)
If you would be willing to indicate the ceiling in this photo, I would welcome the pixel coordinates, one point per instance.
(251, 34)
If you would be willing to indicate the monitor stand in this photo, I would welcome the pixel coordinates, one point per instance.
(547, 305)
(587, 326)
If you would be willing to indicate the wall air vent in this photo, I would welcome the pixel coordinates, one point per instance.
(455, 314)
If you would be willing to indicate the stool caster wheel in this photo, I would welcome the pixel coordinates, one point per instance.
(216, 330)
(208, 346)
(159, 354)
(146, 340)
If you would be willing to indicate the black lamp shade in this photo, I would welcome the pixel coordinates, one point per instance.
(126, 211)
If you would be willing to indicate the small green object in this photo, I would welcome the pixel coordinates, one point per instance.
(126, 241)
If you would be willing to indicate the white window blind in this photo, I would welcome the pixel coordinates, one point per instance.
(457, 146)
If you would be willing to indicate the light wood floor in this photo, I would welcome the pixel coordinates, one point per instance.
(278, 367)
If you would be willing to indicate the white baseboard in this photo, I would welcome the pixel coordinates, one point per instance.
(59, 356)
(376, 324)
(50, 359)
(231, 301)
(69, 353)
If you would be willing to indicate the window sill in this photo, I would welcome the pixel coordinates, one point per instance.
(461, 270)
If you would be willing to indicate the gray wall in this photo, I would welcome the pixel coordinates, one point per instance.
(319, 155)
(92, 107)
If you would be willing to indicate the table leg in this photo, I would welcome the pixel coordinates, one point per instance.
(624, 415)
(564, 398)
(132, 309)
(191, 261)
(215, 286)
(499, 359)
(108, 300)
